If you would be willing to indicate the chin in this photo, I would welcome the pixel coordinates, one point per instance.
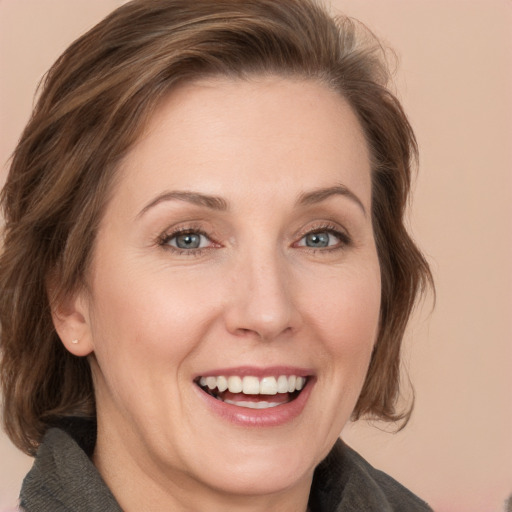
(261, 468)
(263, 477)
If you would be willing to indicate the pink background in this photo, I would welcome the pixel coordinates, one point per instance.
(455, 80)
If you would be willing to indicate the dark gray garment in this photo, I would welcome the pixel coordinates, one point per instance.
(345, 482)
(63, 479)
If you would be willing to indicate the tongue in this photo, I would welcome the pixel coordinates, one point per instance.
(280, 398)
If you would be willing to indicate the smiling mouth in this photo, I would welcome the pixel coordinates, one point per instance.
(253, 392)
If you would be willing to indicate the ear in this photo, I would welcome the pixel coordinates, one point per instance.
(72, 322)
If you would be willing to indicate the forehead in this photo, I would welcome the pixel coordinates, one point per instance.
(206, 134)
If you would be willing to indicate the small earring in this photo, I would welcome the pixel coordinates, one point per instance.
(74, 342)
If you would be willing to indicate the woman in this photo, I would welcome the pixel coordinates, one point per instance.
(205, 271)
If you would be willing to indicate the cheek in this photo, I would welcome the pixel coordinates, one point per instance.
(348, 301)
(346, 308)
(151, 317)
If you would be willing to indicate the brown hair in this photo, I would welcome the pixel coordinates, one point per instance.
(94, 103)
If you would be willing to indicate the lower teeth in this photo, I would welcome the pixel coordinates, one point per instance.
(253, 405)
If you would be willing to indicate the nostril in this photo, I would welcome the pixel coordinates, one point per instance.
(263, 334)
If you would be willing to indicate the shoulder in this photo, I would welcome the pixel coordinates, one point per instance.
(346, 482)
(63, 478)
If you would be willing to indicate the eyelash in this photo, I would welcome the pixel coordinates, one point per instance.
(342, 236)
(165, 238)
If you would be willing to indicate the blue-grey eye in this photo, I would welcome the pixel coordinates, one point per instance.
(317, 240)
(188, 241)
(320, 240)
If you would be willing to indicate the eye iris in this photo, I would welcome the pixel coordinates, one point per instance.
(317, 240)
(188, 241)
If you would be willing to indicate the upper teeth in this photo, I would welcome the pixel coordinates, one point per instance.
(253, 385)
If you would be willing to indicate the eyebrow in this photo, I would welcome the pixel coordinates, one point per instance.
(219, 204)
(317, 196)
(213, 202)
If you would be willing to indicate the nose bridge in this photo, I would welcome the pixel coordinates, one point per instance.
(263, 302)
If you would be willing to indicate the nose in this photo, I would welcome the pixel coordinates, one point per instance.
(262, 300)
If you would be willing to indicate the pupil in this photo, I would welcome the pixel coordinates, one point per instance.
(317, 240)
(188, 241)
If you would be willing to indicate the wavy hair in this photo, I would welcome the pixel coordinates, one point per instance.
(93, 104)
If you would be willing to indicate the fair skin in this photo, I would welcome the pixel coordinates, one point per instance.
(237, 243)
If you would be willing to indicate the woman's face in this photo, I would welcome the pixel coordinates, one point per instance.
(237, 250)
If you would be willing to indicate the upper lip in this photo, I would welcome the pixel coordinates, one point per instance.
(258, 371)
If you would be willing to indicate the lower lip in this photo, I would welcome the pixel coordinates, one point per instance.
(270, 417)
